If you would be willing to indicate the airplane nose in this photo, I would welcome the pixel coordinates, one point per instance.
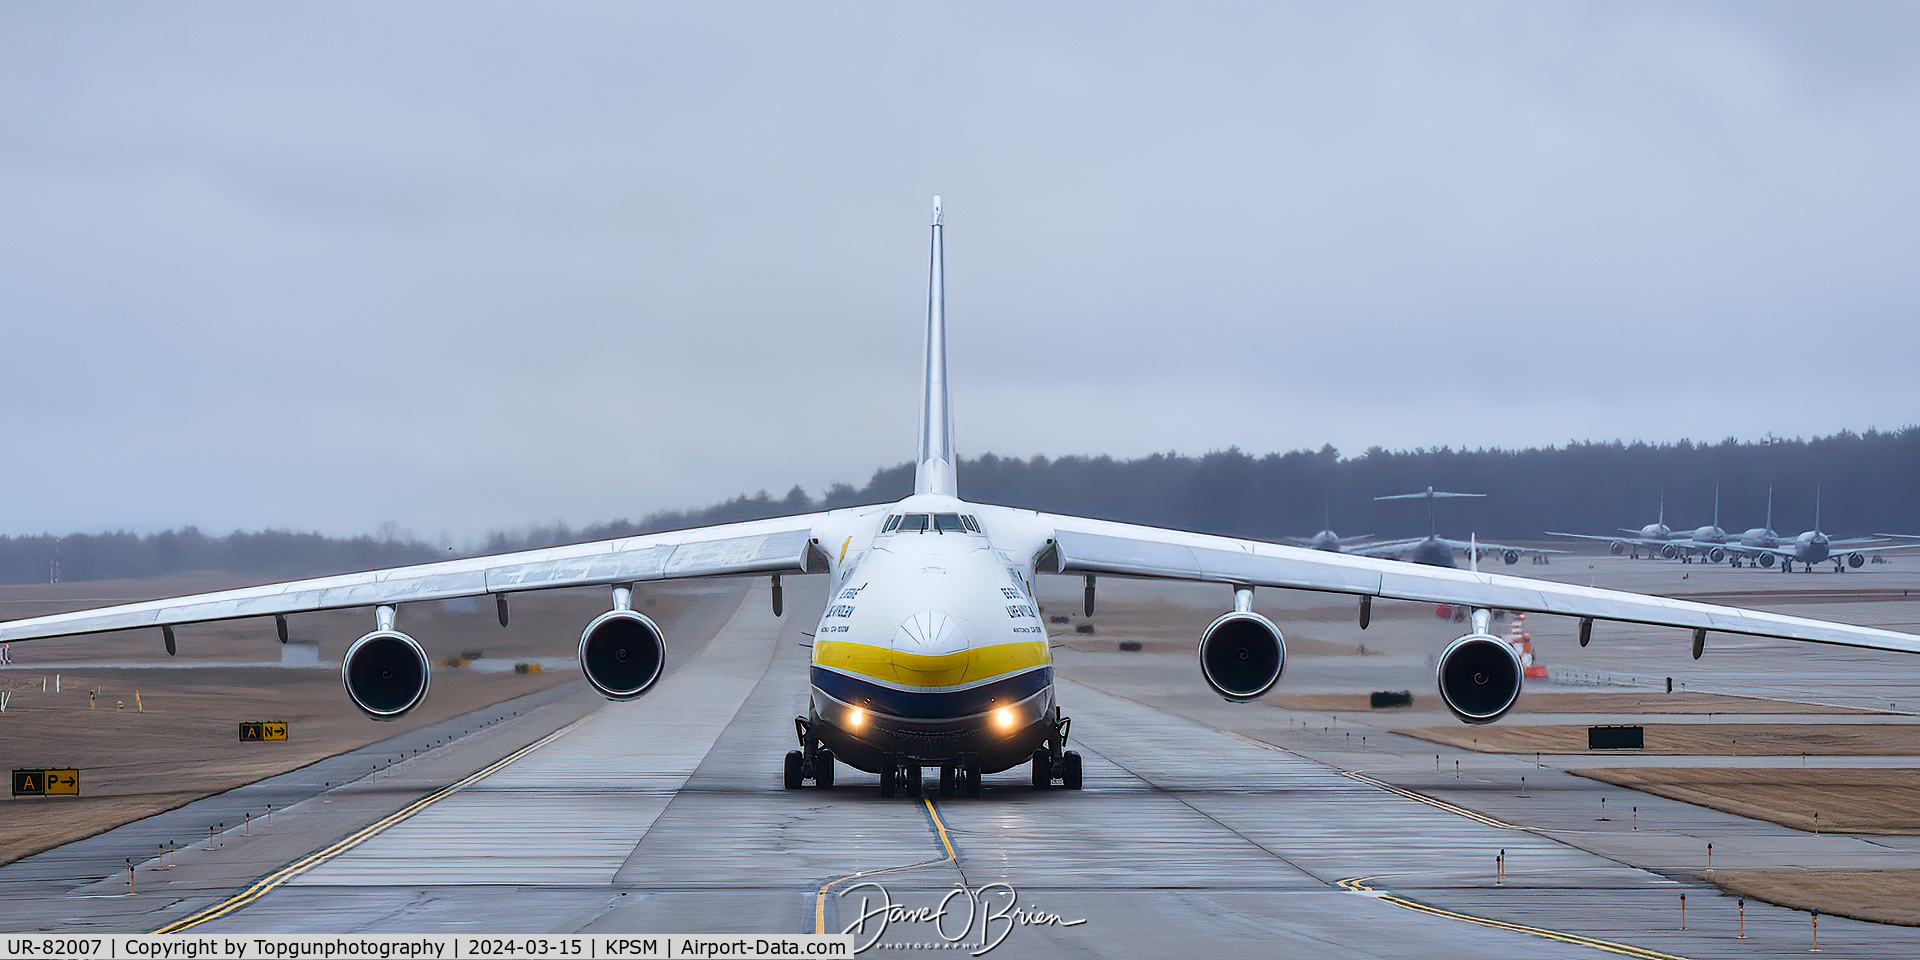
(930, 650)
(930, 634)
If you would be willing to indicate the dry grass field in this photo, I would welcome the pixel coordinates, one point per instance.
(1846, 800)
(1694, 739)
(179, 740)
(1579, 702)
(1877, 896)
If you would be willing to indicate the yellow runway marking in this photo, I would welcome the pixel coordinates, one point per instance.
(1390, 788)
(1435, 802)
(1359, 885)
(268, 883)
(820, 899)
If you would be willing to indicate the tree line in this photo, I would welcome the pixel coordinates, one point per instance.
(1866, 483)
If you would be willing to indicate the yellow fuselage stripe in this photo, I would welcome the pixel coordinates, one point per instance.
(938, 670)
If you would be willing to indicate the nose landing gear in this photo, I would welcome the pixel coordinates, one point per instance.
(813, 761)
(961, 780)
(1055, 762)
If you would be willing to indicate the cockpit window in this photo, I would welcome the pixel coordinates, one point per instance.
(948, 523)
(908, 523)
(972, 525)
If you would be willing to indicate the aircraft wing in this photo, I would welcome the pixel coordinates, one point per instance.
(1485, 546)
(1613, 539)
(757, 546)
(1083, 546)
(1384, 549)
(1841, 548)
(1701, 546)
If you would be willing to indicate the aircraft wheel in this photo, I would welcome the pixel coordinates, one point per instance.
(1042, 769)
(946, 782)
(823, 769)
(889, 776)
(970, 785)
(794, 779)
(1070, 776)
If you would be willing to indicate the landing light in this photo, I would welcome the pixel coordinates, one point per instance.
(1004, 717)
(856, 716)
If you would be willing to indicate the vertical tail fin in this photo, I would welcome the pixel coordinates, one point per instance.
(1769, 506)
(1716, 506)
(1816, 508)
(934, 471)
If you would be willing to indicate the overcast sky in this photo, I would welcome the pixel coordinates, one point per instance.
(467, 267)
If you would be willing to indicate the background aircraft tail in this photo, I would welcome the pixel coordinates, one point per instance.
(933, 471)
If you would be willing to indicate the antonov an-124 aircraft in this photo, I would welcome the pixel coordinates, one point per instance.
(931, 652)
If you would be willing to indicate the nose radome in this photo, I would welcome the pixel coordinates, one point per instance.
(930, 634)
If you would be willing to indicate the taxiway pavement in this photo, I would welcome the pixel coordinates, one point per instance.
(1205, 830)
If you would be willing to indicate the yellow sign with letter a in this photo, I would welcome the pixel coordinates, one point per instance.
(263, 731)
(46, 783)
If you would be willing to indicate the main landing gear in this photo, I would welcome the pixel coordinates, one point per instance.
(956, 779)
(813, 761)
(1054, 762)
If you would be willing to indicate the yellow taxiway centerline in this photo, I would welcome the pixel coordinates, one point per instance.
(1359, 885)
(820, 899)
(268, 883)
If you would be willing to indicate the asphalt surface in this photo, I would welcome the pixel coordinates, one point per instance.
(1206, 829)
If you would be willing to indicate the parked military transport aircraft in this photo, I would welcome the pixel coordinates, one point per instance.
(1762, 546)
(1435, 550)
(1655, 538)
(931, 651)
(1327, 540)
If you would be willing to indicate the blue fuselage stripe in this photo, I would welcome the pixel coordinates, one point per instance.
(932, 706)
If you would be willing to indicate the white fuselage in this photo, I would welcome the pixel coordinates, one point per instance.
(931, 649)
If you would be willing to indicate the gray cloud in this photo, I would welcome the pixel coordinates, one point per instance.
(471, 267)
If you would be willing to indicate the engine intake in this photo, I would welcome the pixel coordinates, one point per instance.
(1479, 678)
(1242, 655)
(385, 673)
(622, 654)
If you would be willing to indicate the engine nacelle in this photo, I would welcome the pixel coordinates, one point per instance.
(1511, 557)
(1716, 555)
(1669, 552)
(1242, 655)
(1856, 560)
(1479, 678)
(1616, 548)
(386, 674)
(1766, 560)
(622, 654)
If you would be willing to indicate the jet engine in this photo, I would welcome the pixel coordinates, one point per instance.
(1669, 552)
(1511, 557)
(1242, 655)
(1479, 678)
(385, 673)
(622, 653)
(1856, 560)
(1616, 548)
(1766, 560)
(1716, 555)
